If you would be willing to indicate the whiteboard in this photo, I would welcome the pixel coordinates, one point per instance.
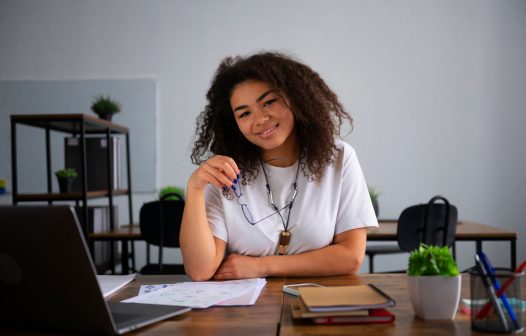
(138, 113)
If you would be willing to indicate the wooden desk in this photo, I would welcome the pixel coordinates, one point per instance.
(406, 322)
(466, 231)
(272, 313)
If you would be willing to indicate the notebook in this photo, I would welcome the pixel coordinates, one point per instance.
(344, 298)
(376, 315)
(48, 280)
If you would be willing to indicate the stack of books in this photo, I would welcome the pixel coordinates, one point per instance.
(343, 304)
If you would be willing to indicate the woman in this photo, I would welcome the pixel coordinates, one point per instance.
(275, 194)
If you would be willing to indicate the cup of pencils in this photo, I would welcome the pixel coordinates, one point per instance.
(496, 297)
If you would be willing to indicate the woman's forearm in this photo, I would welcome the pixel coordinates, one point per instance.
(327, 261)
(198, 245)
(343, 257)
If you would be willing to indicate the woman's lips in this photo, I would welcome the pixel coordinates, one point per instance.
(267, 132)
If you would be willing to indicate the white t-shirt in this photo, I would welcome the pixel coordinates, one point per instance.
(338, 203)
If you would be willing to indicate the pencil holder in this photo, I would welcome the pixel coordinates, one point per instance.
(485, 316)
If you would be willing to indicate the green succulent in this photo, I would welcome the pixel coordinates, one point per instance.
(171, 189)
(70, 173)
(432, 260)
(104, 105)
(373, 193)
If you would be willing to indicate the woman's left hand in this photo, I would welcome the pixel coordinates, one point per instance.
(236, 266)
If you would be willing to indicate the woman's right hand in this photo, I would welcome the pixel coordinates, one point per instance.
(219, 170)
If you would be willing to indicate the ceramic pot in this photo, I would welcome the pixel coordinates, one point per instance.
(434, 297)
(105, 116)
(65, 184)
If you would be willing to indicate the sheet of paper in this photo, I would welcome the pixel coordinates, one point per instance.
(145, 289)
(247, 299)
(202, 294)
(109, 284)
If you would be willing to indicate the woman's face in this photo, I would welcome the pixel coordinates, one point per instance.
(264, 117)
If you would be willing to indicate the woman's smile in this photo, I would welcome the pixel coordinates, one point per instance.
(268, 132)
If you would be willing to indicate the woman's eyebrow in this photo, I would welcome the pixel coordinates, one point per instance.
(266, 93)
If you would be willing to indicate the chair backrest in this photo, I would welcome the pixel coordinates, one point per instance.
(432, 224)
(160, 221)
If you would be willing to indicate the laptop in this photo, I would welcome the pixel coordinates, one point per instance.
(48, 280)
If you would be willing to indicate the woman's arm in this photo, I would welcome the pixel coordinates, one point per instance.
(343, 257)
(202, 252)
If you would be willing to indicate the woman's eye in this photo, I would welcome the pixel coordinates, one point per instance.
(269, 102)
(243, 115)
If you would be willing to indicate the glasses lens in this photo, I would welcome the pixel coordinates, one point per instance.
(238, 192)
(248, 215)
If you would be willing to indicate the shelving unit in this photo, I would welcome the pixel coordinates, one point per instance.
(78, 125)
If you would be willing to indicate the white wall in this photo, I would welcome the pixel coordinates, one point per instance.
(437, 88)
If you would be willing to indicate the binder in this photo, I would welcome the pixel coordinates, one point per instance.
(96, 162)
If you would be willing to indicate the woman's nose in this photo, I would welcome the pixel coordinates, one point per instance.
(261, 116)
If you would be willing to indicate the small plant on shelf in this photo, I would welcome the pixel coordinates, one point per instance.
(171, 190)
(65, 177)
(374, 194)
(105, 107)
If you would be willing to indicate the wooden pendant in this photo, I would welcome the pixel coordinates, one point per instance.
(284, 240)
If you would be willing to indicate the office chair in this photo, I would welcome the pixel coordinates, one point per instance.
(432, 224)
(160, 222)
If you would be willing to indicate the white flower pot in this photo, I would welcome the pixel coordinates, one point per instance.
(434, 297)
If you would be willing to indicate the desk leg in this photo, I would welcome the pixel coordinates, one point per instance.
(479, 245)
(125, 257)
(112, 258)
(513, 251)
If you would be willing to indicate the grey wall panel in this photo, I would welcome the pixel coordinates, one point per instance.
(139, 106)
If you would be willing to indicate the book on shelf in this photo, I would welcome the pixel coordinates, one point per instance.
(344, 298)
(376, 315)
(96, 162)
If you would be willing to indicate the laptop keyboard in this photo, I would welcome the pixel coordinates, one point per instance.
(123, 317)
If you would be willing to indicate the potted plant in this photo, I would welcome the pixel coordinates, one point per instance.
(373, 193)
(171, 190)
(434, 282)
(105, 107)
(64, 178)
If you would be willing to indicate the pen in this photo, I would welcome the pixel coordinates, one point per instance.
(491, 272)
(485, 310)
(491, 292)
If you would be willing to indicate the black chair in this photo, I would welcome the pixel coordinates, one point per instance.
(160, 222)
(432, 224)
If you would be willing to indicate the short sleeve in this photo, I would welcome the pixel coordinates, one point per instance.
(215, 213)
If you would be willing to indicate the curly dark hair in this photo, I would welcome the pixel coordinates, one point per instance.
(318, 114)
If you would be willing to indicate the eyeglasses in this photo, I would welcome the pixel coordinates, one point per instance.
(246, 211)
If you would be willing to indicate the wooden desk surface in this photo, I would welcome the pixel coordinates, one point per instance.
(260, 319)
(406, 322)
(274, 306)
(466, 230)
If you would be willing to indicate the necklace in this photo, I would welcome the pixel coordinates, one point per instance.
(284, 236)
